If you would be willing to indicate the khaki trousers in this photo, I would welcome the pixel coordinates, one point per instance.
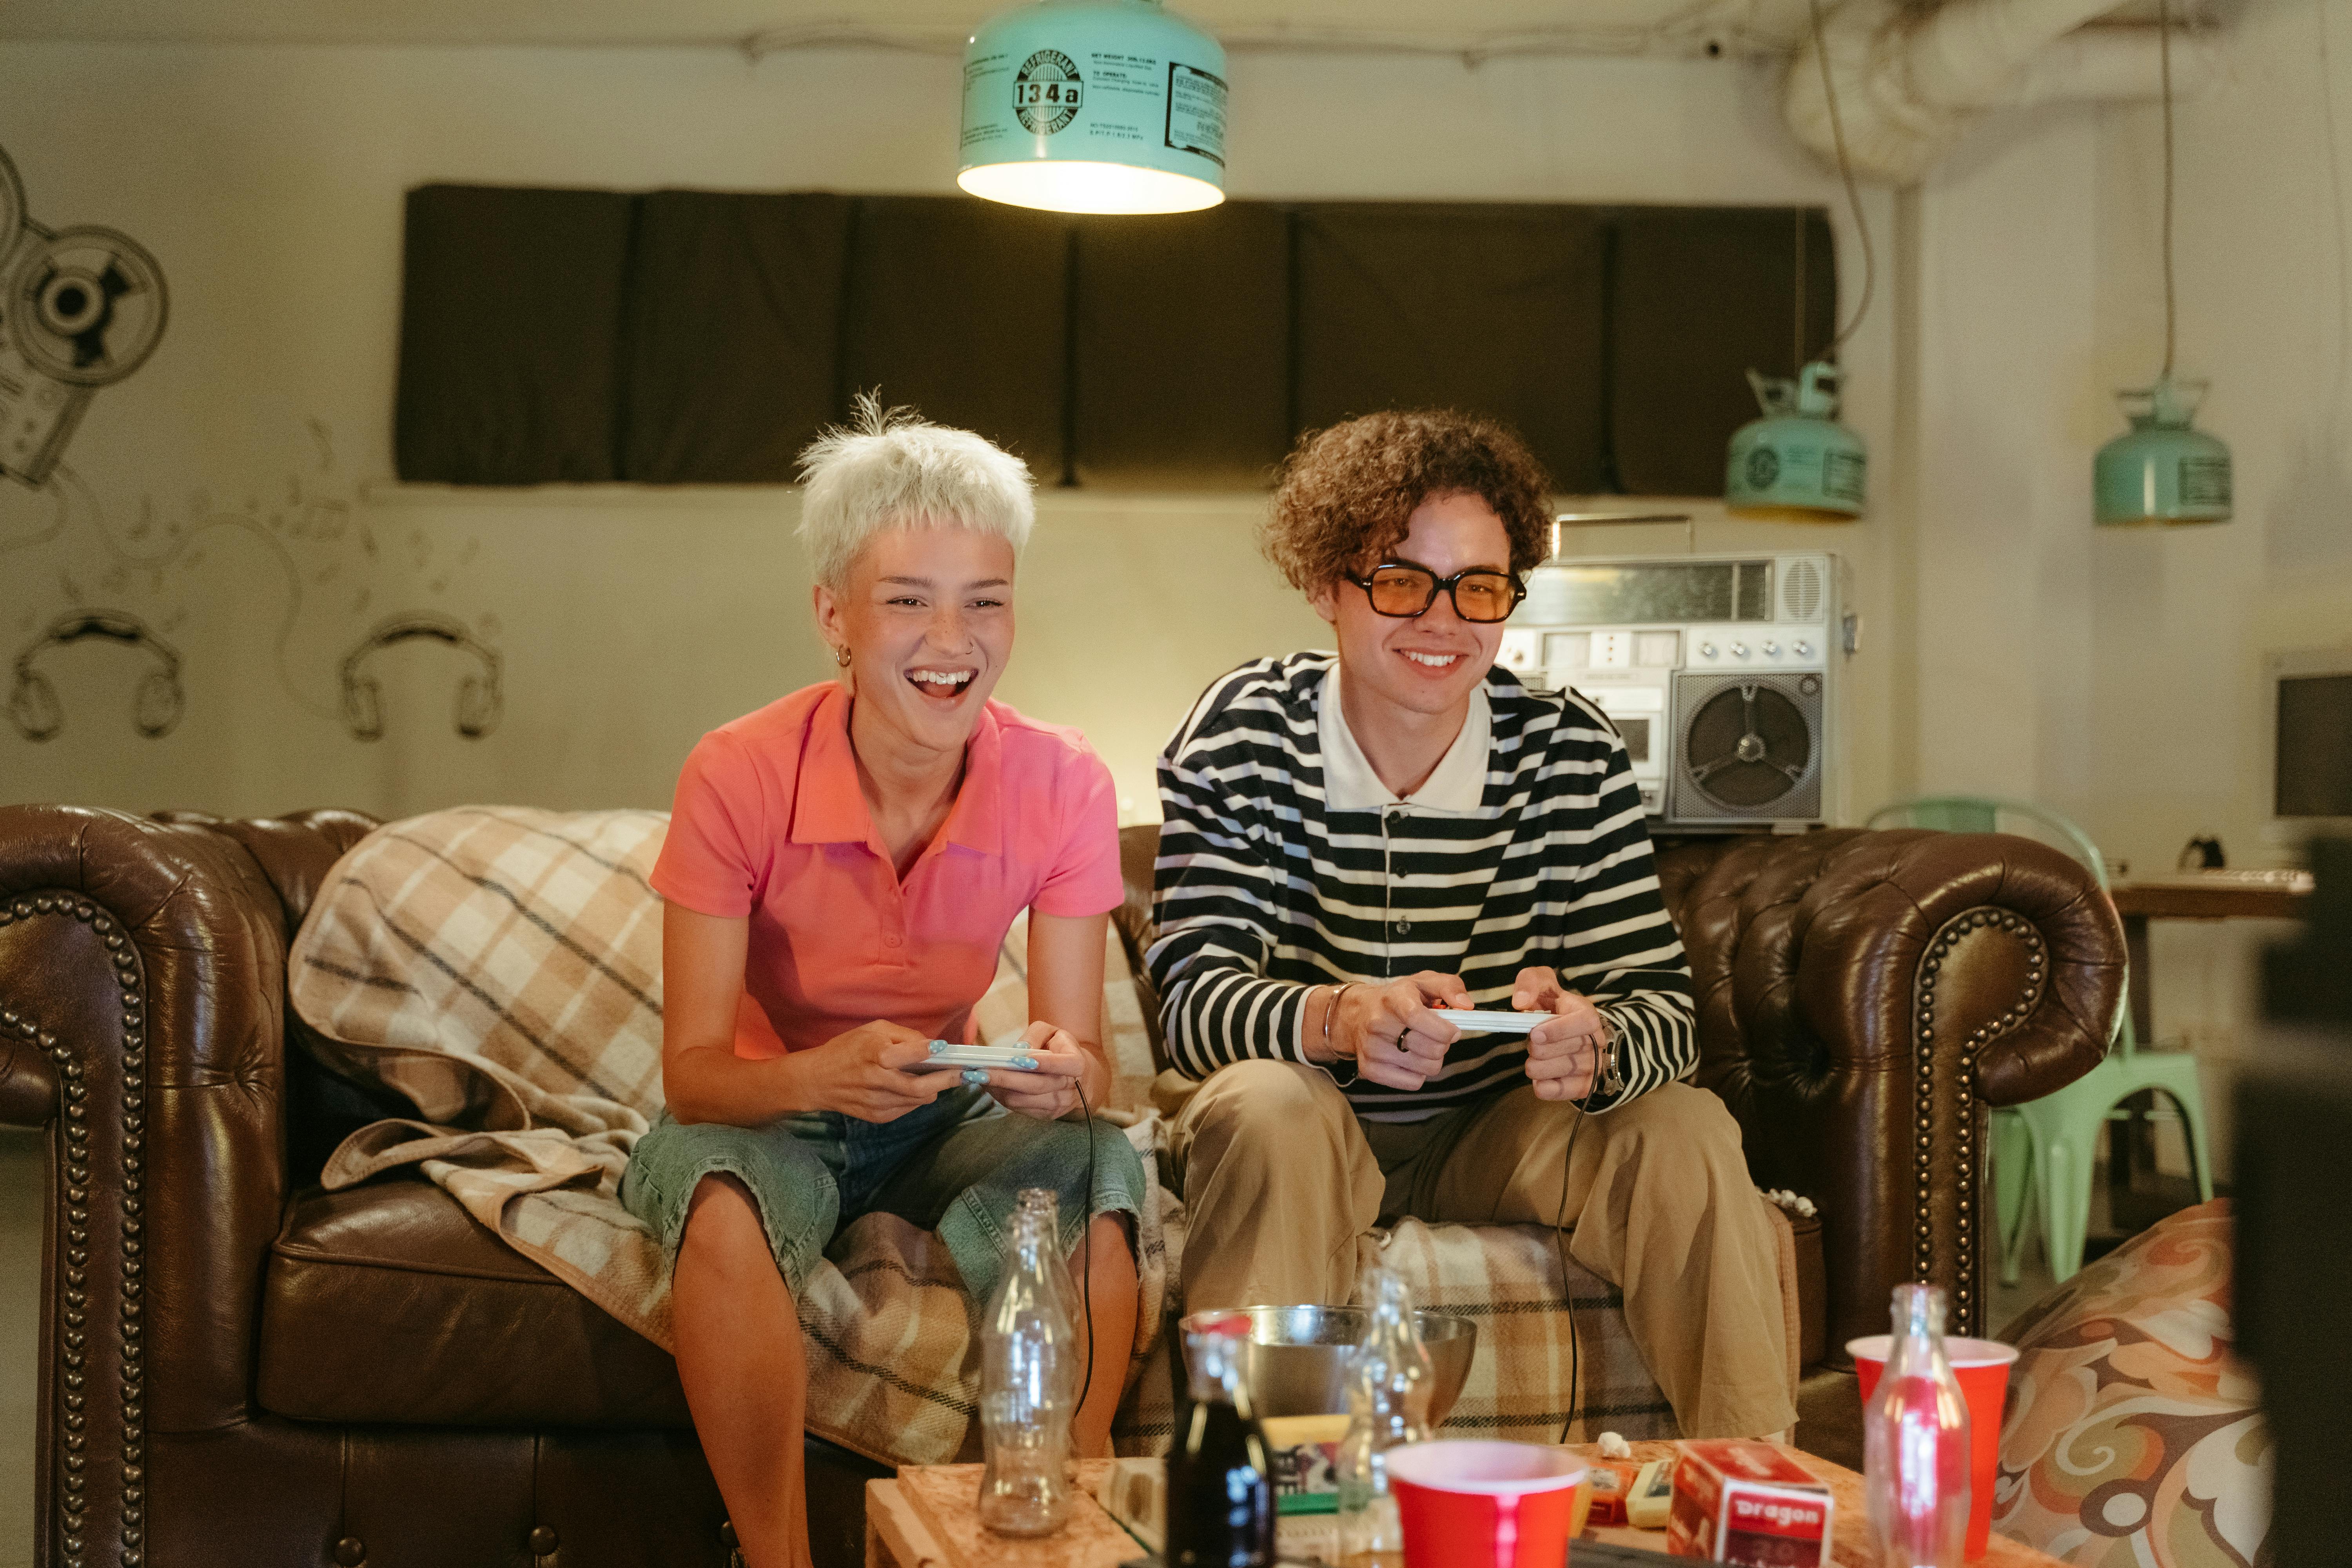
(1282, 1182)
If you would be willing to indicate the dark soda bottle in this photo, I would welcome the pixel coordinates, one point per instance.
(1220, 1480)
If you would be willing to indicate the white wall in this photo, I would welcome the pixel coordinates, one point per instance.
(2182, 619)
(269, 181)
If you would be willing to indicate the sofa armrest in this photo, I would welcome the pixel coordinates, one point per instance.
(1863, 998)
(143, 963)
(28, 1084)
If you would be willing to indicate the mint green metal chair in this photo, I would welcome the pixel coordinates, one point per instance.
(2048, 1146)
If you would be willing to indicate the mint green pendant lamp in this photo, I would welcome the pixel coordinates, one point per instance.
(2162, 470)
(1094, 106)
(1797, 463)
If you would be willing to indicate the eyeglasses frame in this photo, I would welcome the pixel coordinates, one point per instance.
(1443, 585)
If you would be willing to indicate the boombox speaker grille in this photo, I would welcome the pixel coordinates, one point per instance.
(1800, 591)
(1749, 748)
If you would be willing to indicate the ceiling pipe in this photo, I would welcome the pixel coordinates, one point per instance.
(1910, 86)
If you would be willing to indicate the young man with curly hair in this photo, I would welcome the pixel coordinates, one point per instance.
(1354, 840)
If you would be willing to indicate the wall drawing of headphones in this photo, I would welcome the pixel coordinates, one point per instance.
(156, 706)
(480, 697)
(79, 308)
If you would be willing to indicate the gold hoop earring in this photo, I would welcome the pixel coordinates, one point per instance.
(841, 657)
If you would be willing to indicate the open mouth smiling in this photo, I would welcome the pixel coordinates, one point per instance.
(942, 685)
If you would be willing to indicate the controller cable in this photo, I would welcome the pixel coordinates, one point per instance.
(1086, 1246)
(1559, 1244)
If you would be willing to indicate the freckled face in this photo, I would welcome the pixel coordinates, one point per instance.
(1428, 664)
(927, 616)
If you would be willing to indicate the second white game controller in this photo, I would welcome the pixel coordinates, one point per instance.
(1491, 1023)
(945, 1056)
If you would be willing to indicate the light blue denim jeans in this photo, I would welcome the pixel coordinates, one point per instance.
(955, 1166)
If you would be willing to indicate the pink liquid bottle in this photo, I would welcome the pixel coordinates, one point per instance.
(1915, 1436)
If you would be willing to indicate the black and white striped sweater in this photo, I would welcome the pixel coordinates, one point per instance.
(1262, 891)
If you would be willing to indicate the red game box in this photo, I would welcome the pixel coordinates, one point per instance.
(1611, 1481)
(1749, 1504)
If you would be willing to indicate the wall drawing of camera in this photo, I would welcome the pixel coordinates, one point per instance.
(79, 308)
(481, 700)
(156, 704)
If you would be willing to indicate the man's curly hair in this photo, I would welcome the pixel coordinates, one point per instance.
(1346, 494)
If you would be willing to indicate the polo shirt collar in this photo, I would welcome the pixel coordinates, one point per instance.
(828, 807)
(1457, 788)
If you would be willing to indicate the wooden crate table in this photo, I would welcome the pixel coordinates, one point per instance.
(927, 1517)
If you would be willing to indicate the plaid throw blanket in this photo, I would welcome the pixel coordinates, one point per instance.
(501, 968)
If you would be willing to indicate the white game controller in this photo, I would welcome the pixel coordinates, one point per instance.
(945, 1057)
(1491, 1023)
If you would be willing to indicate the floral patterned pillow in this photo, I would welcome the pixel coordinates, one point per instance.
(2134, 1438)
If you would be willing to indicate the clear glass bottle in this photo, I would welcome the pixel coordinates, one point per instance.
(1388, 1406)
(1048, 1207)
(1915, 1436)
(1027, 1371)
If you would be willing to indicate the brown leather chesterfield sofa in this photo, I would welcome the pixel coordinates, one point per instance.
(216, 1333)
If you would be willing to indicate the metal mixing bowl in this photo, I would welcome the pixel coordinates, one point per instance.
(1298, 1360)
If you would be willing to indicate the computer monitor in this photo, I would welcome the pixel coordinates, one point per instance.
(2311, 741)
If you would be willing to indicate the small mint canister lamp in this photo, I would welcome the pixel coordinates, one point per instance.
(1797, 463)
(2162, 470)
(1094, 106)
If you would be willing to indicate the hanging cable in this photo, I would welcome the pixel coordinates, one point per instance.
(1845, 173)
(1797, 351)
(2336, 194)
(2336, 198)
(1087, 1247)
(2164, 72)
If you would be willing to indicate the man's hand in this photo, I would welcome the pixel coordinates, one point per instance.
(1391, 1030)
(1563, 1051)
(1063, 1067)
(860, 1073)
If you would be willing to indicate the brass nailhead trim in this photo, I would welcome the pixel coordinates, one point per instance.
(72, 1502)
(1924, 1091)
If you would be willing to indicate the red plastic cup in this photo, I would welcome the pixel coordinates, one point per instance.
(1485, 1505)
(1982, 1367)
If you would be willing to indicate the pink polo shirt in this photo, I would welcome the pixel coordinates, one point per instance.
(770, 824)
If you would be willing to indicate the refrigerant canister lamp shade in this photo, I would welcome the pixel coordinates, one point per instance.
(1094, 106)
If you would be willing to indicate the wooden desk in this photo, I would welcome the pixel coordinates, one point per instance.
(2197, 896)
(926, 1517)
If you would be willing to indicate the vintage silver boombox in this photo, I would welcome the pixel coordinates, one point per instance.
(1720, 672)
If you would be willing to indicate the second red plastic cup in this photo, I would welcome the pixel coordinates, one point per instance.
(1982, 1367)
(1485, 1505)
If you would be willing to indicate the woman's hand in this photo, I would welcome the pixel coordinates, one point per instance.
(862, 1073)
(1063, 1067)
(1563, 1051)
(1391, 1030)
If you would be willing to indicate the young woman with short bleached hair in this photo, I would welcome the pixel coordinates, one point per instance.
(841, 868)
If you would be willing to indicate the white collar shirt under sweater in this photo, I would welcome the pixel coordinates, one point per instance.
(1284, 863)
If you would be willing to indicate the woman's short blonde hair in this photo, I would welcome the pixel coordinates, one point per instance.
(891, 467)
